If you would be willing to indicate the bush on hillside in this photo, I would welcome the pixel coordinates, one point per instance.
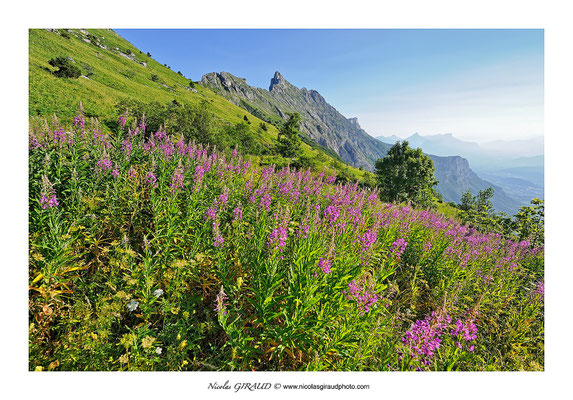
(66, 69)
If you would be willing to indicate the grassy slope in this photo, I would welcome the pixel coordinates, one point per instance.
(116, 77)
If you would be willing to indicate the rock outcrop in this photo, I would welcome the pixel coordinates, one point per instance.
(319, 120)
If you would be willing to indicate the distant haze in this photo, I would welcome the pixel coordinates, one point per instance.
(480, 85)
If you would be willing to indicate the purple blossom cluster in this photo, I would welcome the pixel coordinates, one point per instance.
(399, 246)
(122, 120)
(177, 179)
(363, 293)
(466, 331)
(277, 239)
(538, 293)
(425, 337)
(238, 213)
(368, 239)
(104, 164)
(221, 302)
(48, 196)
(151, 179)
(325, 265)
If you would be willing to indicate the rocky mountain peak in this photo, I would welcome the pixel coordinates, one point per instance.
(277, 81)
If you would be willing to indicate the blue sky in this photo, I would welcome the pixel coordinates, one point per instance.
(479, 85)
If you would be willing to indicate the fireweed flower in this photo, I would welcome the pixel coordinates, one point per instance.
(277, 239)
(177, 179)
(425, 337)
(266, 202)
(399, 246)
(238, 213)
(331, 215)
(363, 293)
(80, 121)
(104, 164)
(368, 239)
(142, 123)
(467, 330)
(151, 179)
(198, 175)
(48, 196)
(59, 136)
(211, 213)
(217, 238)
(324, 264)
(34, 142)
(303, 230)
(223, 196)
(220, 302)
(538, 294)
(122, 119)
(126, 146)
(160, 135)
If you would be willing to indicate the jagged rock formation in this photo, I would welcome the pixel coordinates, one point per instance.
(319, 120)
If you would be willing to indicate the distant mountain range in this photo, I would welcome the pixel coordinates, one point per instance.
(494, 155)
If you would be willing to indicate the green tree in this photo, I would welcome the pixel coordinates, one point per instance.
(480, 203)
(478, 211)
(288, 144)
(406, 174)
(530, 221)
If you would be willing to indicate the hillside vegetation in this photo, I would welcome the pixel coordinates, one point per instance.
(114, 72)
(148, 252)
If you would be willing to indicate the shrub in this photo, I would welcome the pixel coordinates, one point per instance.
(66, 69)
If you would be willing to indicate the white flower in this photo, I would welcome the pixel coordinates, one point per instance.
(158, 292)
(158, 350)
(132, 305)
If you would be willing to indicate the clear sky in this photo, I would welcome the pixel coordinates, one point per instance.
(479, 85)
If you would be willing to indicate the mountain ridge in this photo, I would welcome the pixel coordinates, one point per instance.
(319, 119)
